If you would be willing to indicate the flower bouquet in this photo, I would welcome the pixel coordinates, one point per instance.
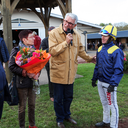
(32, 61)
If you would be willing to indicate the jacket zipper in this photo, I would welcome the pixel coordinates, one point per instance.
(69, 65)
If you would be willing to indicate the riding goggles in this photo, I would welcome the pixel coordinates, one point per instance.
(104, 32)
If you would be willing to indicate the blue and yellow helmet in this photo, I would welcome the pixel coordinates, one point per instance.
(109, 30)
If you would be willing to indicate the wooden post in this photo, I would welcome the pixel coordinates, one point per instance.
(68, 5)
(46, 31)
(6, 12)
(7, 32)
(46, 19)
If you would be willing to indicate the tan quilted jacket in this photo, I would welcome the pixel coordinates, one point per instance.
(63, 61)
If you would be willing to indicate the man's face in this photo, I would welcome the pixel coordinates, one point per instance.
(68, 23)
(29, 41)
(104, 39)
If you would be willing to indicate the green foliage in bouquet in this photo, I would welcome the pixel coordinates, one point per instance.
(26, 52)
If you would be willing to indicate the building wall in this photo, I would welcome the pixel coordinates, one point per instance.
(38, 25)
(31, 16)
(55, 22)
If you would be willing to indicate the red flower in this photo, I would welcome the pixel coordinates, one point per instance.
(125, 59)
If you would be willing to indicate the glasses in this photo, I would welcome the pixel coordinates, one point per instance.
(71, 24)
(104, 31)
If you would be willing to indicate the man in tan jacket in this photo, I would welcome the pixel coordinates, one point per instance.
(65, 46)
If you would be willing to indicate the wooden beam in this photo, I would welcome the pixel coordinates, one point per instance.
(47, 17)
(15, 2)
(38, 14)
(43, 19)
(62, 7)
(68, 5)
(42, 13)
(48, 12)
(43, 2)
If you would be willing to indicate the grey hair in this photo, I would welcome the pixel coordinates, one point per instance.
(34, 33)
(73, 16)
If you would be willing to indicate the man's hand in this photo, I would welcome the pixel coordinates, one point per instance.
(94, 59)
(110, 88)
(24, 73)
(69, 37)
(94, 83)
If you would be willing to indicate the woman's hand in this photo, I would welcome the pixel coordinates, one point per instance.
(30, 75)
(36, 76)
(24, 73)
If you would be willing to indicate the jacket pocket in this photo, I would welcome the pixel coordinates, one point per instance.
(58, 69)
(75, 67)
(75, 46)
(24, 82)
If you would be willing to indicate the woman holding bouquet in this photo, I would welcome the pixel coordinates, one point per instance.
(24, 82)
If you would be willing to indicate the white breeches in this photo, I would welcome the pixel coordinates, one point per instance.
(109, 102)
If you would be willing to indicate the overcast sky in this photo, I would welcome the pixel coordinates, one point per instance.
(99, 11)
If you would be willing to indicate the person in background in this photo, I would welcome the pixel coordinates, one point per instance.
(45, 46)
(37, 40)
(108, 71)
(37, 43)
(121, 46)
(4, 57)
(65, 46)
(93, 46)
(24, 82)
(98, 45)
(14, 43)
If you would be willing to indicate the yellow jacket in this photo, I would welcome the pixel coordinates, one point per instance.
(63, 61)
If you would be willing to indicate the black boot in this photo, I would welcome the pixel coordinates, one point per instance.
(102, 124)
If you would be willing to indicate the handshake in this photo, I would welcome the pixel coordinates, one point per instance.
(109, 89)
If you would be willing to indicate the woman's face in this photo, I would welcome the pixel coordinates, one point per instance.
(29, 41)
(104, 39)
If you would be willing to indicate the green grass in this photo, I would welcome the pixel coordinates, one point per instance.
(86, 107)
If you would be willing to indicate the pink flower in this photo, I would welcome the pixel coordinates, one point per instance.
(18, 62)
(35, 54)
(28, 60)
(125, 59)
(18, 57)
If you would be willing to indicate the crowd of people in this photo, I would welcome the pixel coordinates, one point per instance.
(64, 45)
(94, 46)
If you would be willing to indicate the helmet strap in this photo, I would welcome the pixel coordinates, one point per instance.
(109, 40)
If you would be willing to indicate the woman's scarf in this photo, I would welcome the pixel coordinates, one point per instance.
(21, 44)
